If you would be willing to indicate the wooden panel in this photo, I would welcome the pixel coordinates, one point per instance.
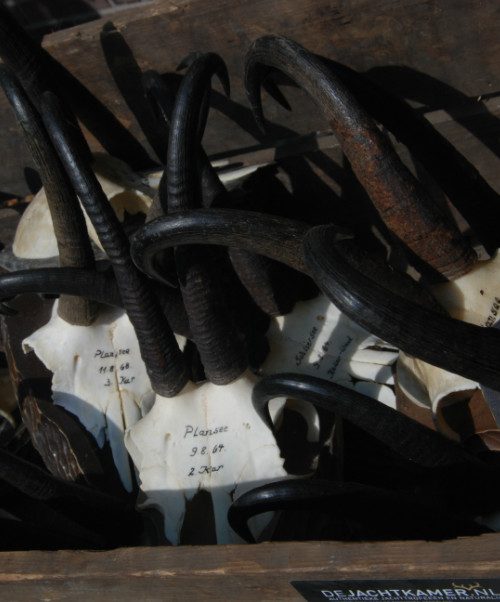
(261, 573)
(437, 52)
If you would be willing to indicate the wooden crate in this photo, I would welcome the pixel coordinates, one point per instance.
(261, 573)
(445, 57)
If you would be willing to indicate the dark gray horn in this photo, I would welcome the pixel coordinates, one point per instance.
(99, 286)
(69, 224)
(462, 348)
(160, 352)
(220, 343)
(274, 237)
(387, 309)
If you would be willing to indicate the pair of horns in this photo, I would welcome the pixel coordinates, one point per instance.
(398, 196)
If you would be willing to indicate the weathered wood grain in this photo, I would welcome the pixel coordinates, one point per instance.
(438, 53)
(260, 573)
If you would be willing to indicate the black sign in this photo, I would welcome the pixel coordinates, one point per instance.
(418, 590)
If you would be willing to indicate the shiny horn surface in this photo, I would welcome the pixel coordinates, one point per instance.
(459, 347)
(401, 201)
(159, 349)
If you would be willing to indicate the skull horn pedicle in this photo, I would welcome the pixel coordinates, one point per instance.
(67, 217)
(159, 349)
(243, 450)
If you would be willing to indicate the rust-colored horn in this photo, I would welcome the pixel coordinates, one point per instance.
(400, 199)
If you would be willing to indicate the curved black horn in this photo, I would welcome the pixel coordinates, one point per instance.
(90, 284)
(274, 237)
(69, 224)
(386, 310)
(459, 347)
(399, 198)
(368, 512)
(217, 337)
(406, 437)
(159, 349)
(38, 72)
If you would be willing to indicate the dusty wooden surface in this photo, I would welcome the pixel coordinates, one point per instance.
(261, 573)
(438, 53)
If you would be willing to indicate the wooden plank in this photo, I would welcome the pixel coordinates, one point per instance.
(437, 52)
(261, 572)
